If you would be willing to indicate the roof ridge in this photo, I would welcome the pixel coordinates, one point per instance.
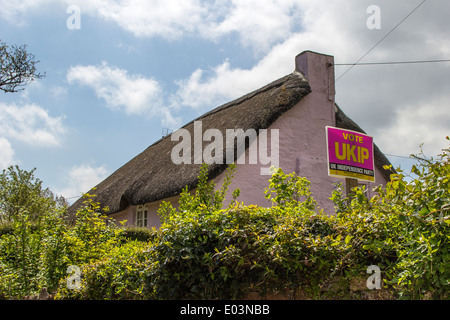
(274, 84)
(151, 175)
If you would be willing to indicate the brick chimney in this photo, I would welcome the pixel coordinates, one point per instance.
(319, 70)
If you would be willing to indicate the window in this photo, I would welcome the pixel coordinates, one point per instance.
(141, 216)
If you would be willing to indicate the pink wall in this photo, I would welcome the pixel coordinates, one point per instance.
(302, 137)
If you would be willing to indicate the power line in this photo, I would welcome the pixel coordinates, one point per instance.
(396, 156)
(390, 62)
(376, 44)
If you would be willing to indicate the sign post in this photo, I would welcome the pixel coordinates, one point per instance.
(350, 183)
(350, 156)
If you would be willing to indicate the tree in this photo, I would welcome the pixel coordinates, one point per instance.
(17, 67)
(20, 190)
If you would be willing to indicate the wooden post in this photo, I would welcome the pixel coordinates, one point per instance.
(349, 184)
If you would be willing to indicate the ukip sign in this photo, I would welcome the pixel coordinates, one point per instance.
(350, 154)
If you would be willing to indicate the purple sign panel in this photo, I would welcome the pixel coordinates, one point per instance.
(350, 154)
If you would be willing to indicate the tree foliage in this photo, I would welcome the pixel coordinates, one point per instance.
(20, 190)
(17, 67)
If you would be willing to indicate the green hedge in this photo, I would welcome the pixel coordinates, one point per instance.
(6, 228)
(119, 275)
(138, 233)
(204, 252)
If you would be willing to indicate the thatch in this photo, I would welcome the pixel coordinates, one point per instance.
(344, 122)
(151, 175)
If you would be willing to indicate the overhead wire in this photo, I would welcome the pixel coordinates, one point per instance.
(391, 62)
(396, 156)
(384, 37)
(358, 62)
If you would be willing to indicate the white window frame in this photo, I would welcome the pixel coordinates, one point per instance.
(142, 216)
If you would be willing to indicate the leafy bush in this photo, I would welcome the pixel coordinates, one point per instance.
(28, 214)
(20, 256)
(405, 228)
(20, 190)
(208, 253)
(119, 275)
(35, 256)
(6, 228)
(220, 253)
(93, 235)
(143, 234)
(424, 210)
(202, 251)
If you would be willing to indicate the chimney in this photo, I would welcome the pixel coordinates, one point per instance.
(318, 69)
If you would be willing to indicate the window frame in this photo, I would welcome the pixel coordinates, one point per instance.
(142, 216)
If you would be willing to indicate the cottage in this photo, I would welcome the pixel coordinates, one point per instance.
(294, 110)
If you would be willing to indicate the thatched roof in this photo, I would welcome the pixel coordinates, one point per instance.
(152, 175)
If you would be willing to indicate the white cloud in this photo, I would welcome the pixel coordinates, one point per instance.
(12, 10)
(170, 121)
(168, 19)
(324, 29)
(81, 179)
(226, 83)
(30, 124)
(257, 24)
(428, 124)
(6, 154)
(134, 94)
(58, 92)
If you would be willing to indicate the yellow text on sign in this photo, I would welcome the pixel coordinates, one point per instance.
(352, 137)
(351, 152)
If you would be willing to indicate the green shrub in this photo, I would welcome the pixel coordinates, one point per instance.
(34, 256)
(208, 253)
(424, 207)
(119, 275)
(404, 229)
(20, 191)
(93, 234)
(6, 228)
(204, 252)
(20, 256)
(138, 233)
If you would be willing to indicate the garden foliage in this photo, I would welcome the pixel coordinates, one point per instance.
(204, 250)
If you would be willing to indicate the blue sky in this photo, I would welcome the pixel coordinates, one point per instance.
(136, 67)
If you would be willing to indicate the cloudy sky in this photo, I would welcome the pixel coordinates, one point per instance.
(118, 72)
